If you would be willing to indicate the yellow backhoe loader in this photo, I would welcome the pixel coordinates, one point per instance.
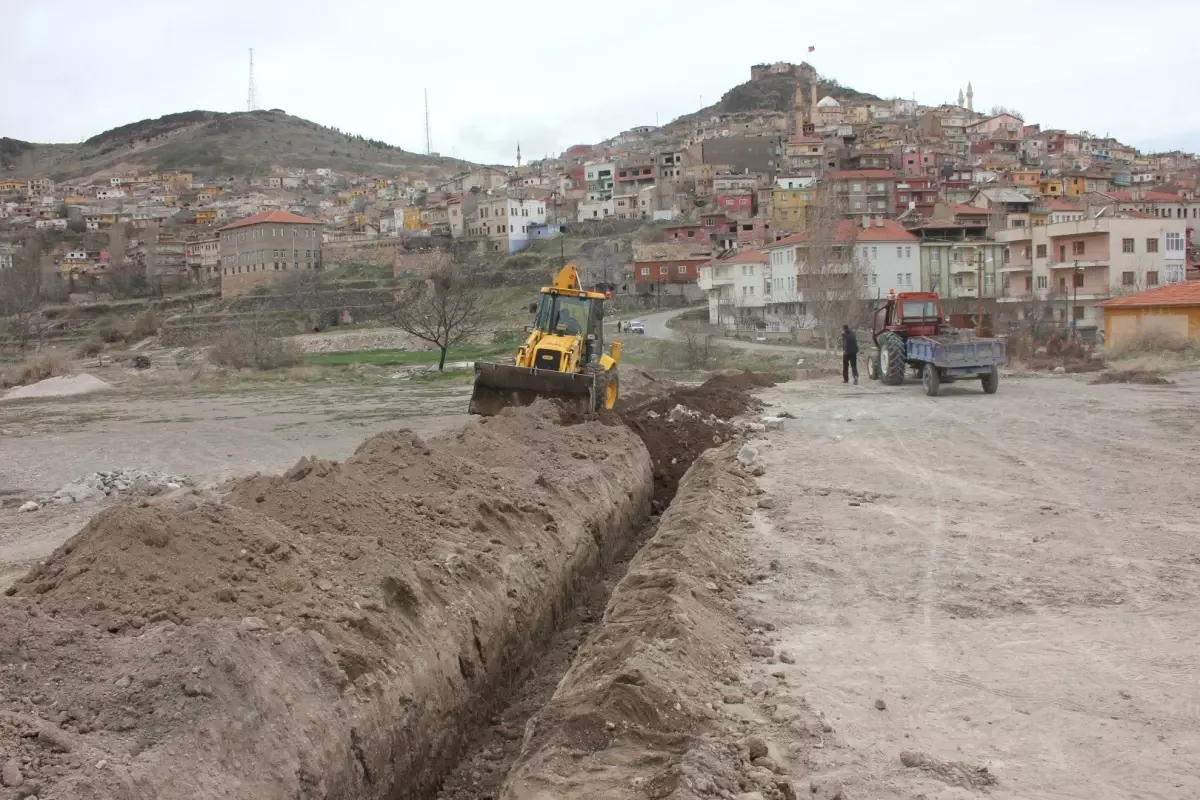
(563, 357)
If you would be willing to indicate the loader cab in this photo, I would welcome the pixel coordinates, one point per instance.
(573, 315)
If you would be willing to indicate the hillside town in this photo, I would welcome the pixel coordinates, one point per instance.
(941, 198)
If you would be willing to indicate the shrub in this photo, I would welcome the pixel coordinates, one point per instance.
(113, 330)
(147, 324)
(91, 346)
(250, 348)
(44, 365)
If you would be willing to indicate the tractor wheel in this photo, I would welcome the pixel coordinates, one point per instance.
(873, 366)
(931, 380)
(611, 389)
(891, 359)
(990, 380)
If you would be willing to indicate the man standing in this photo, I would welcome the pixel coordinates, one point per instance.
(849, 355)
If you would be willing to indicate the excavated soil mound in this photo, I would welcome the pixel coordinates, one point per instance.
(637, 714)
(678, 423)
(332, 632)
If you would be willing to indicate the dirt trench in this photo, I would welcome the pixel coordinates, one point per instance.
(343, 630)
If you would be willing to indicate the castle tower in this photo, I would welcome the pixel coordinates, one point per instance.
(970, 97)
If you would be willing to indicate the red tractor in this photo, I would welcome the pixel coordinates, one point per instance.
(902, 316)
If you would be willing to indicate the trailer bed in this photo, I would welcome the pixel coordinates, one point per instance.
(957, 356)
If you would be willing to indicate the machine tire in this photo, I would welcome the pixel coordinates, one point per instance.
(612, 389)
(892, 361)
(990, 381)
(873, 366)
(931, 380)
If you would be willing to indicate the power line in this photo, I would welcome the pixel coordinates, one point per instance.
(252, 91)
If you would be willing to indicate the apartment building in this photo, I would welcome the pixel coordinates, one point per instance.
(863, 191)
(505, 221)
(1075, 264)
(735, 287)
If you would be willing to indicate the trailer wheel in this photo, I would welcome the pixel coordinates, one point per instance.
(990, 380)
(873, 366)
(931, 380)
(891, 359)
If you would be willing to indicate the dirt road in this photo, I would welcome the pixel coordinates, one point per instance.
(1008, 582)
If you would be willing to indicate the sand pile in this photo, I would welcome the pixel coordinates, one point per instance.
(332, 632)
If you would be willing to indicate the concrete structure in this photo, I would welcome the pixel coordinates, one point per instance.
(1077, 264)
(504, 221)
(203, 259)
(258, 250)
(1166, 312)
(599, 179)
(863, 191)
(952, 253)
(6, 255)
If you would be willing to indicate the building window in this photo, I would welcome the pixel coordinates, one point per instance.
(908, 252)
(682, 269)
(645, 270)
(1152, 245)
(1077, 248)
(1152, 278)
(1127, 245)
(1078, 279)
(908, 279)
(1043, 282)
(1077, 313)
(1127, 279)
(1174, 241)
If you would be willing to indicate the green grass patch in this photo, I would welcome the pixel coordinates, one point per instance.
(407, 358)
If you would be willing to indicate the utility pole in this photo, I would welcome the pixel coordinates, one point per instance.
(979, 294)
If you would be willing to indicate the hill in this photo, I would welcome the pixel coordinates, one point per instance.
(216, 143)
(775, 93)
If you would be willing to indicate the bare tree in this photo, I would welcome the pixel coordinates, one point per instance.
(442, 309)
(21, 292)
(305, 292)
(831, 276)
(121, 275)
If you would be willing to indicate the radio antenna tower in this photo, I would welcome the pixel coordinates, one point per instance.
(252, 92)
(428, 137)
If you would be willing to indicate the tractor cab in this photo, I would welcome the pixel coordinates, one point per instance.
(909, 314)
(572, 314)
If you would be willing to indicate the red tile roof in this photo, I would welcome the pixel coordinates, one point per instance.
(889, 231)
(1186, 293)
(962, 208)
(275, 217)
(1149, 197)
(843, 174)
(1062, 205)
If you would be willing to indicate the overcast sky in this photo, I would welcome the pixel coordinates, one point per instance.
(555, 74)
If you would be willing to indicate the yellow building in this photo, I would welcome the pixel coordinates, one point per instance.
(381, 183)
(1026, 178)
(1169, 311)
(206, 216)
(210, 191)
(12, 186)
(412, 219)
(1051, 187)
(75, 200)
(789, 208)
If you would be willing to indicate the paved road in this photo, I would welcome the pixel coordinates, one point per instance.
(656, 328)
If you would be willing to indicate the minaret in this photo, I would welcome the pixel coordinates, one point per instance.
(961, 103)
(798, 110)
(812, 106)
(518, 155)
(970, 97)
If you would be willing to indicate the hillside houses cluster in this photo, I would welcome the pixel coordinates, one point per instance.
(942, 198)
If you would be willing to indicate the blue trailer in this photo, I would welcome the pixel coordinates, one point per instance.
(947, 358)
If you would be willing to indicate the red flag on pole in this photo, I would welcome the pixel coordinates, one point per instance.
(811, 48)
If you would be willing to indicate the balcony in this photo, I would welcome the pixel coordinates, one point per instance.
(1081, 263)
(1016, 265)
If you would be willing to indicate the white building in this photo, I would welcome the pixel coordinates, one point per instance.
(599, 177)
(595, 209)
(111, 193)
(505, 221)
(6, 256)
(887, 255)
(737, 288)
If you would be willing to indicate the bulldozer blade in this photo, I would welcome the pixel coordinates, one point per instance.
(499, 386)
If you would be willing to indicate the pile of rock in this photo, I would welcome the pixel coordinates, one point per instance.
(108, 484)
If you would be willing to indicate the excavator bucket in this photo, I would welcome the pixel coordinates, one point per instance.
(498, 386)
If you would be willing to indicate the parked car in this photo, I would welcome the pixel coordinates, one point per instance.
(637, 326)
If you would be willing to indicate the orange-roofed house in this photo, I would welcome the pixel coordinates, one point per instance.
(1171, 311)
(887, 256)
(261, 249)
